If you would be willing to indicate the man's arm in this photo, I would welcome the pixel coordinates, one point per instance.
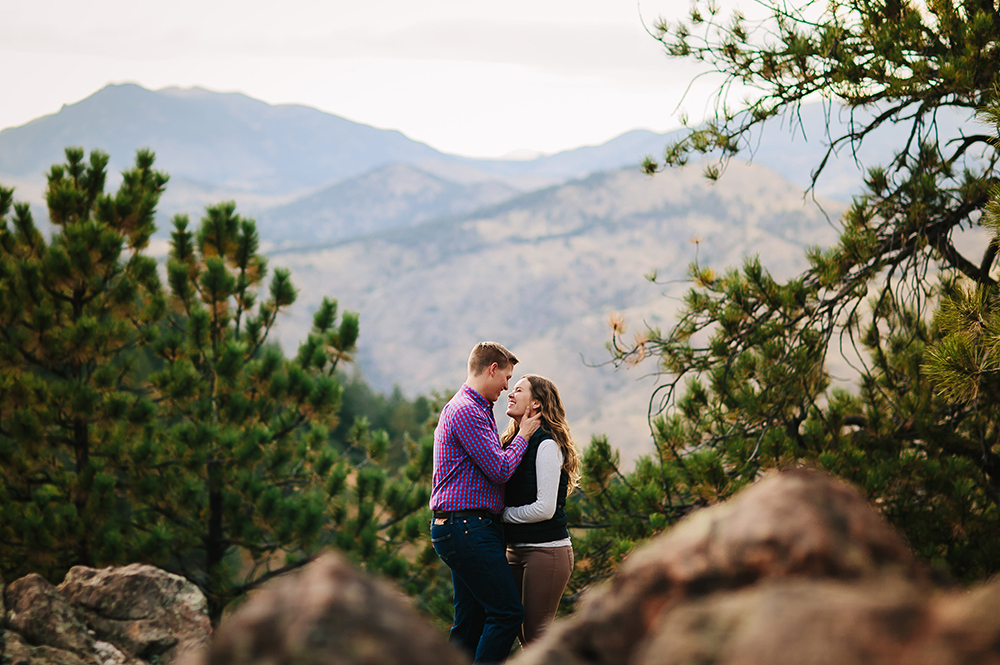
(479, 439)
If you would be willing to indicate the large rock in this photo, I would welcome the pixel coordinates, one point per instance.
(144, 611)
(888, 621)
(18, 652)
(44, 618)
(329, 613)
(799, 524)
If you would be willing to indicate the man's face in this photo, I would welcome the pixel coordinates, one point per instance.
(497, 381)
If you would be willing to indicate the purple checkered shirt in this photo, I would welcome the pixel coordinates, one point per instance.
(470, 467)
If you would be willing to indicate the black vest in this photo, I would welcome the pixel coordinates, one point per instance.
(522, 489)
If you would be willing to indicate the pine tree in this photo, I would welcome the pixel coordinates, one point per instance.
(964, 365)
(172, 431)
(745, 385)
(73, 312)
(240, 459)
(246, 479)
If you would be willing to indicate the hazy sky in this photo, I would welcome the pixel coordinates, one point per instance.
(468, 77)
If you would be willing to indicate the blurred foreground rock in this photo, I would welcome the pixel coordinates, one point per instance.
(116, 616)
(796, 569)
(329, 613)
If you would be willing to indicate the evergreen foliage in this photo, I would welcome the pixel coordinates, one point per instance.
(403, 420)
(241, 457)
(745, 380)
(72, 311)
(139, 426)
(964, 363)
(249, 478)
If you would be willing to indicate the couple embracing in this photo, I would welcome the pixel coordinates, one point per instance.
(497, 501)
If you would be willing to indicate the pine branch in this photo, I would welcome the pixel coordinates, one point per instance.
(250, 586)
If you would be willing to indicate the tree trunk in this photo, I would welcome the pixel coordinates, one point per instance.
(81, 446)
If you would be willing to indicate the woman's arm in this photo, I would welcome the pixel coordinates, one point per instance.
(548, 467)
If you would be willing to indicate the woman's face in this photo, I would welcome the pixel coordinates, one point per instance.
(519, 400)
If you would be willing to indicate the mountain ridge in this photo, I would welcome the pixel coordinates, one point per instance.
(233, 142)
(207, 137)
(182, 123)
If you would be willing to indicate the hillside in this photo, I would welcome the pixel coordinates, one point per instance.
(542, 272)
(394, 196)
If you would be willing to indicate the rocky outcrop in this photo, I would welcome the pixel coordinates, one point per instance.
(796, 569)
(41, 616)
(116, 616)
(328, 613)
(18, 652)
(149, 613)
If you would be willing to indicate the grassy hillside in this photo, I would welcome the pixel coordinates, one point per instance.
(542, 273)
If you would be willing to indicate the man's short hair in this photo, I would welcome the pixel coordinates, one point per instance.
(486, 353)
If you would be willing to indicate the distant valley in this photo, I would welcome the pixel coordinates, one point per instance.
(438, 251)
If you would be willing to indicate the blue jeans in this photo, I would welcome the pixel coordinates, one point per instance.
(488, 610)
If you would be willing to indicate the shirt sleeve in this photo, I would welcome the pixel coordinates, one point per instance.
(479, 439)
(548, 468)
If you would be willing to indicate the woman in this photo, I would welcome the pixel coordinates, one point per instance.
(538, 545)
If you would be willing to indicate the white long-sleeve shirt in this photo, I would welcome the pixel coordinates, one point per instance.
(548, 468)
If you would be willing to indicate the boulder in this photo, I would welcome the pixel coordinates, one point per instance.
(328, 613)
(790, 621)
(18, 652)
(888, 621)
(144, 611)
(795, 525)
(963, 629)
(44, 618)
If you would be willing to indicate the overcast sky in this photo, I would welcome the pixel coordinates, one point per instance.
(468, 77)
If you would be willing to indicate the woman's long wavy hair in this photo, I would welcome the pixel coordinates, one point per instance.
(554, 420)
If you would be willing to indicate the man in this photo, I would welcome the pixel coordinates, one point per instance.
(470, 469)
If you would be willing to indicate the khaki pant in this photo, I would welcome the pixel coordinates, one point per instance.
(541, 574)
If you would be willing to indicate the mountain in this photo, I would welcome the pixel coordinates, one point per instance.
(394, 196)
(229, 143)
(624, 151)
(232, 141)
(216, 139)
(541, 273)
(219, 146)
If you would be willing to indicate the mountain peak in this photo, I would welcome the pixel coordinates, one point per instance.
(228, 139)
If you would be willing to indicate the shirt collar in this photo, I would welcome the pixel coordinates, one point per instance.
(479, 399)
